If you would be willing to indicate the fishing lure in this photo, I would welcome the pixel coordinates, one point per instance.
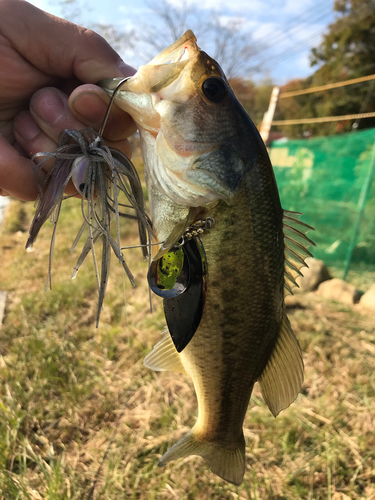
(180, 277)
(101, 175)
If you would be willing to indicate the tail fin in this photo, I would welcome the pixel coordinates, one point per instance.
(228, 462)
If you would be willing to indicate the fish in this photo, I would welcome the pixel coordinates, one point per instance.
(204, 160)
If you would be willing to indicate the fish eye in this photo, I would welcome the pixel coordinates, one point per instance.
(214, 89)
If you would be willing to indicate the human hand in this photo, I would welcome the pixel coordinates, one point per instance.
(43, 60)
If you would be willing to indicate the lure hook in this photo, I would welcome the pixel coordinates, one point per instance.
(105, 119)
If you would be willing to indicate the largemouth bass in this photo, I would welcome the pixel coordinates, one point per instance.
(204, 158)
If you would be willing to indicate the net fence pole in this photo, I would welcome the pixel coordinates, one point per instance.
(266, 124)
(362, 204)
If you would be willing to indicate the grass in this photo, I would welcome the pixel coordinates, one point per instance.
(82, 418)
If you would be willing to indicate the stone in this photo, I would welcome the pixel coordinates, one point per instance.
(316, 273)
(368, 298)
(340, 290)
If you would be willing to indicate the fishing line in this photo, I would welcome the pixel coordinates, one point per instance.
(147, 245)
(105, 119)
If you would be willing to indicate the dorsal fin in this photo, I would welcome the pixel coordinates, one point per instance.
(296, 244)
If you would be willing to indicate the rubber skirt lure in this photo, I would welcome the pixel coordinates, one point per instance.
(101, 176)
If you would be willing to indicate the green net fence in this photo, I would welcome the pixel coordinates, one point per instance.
(329, 180)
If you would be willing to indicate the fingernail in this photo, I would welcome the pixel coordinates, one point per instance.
(125, 69)
(90, 107)
(26, 126)
(49, 106)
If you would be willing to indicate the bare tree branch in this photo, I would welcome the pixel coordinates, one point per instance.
(76, 12)
(226, 40)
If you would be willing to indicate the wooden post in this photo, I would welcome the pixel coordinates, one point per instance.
(265, 126)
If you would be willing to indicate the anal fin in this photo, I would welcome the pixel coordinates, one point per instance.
(164, 356)
(282, 378)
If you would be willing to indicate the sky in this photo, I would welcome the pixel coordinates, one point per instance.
(283, 31)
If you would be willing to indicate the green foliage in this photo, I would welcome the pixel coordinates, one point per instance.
(346, 52)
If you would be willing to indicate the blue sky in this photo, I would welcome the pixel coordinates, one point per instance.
(284, 30)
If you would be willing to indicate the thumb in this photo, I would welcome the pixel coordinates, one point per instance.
(59, 48)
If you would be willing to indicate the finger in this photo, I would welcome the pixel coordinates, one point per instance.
(79, 52)
(50, 110)
(16, 173)
(89, 104)
(38, 130)
(30, 137)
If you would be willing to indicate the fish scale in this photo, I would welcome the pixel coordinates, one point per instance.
(204, 158)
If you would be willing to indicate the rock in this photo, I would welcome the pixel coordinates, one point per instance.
(368, 299)
(315, 274)
(339, 290)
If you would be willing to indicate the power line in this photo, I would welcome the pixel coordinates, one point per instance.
(324, 119)
(287, 35)
(288, 53)
(363, 10)
(310, 90)
(295, 22)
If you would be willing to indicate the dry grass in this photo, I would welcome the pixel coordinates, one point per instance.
(82, 418)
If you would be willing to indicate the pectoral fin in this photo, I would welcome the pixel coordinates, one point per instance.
(177, 232)
(164, 356)
(282, 378)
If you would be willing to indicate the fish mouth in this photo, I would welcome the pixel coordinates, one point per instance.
(179, 50)
(165, 68)
(140, 94)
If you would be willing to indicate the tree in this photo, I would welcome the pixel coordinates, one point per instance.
(221, 37)
(76, 11)
(346, 52)
(253, 97)
(347, 48)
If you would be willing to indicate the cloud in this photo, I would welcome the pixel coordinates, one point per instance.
(267, 31)
(131, 10)
(240, 22)
(234, 6)
(293, 7)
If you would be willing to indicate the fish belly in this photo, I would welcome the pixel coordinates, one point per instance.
(237, 333)
(240, 322)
